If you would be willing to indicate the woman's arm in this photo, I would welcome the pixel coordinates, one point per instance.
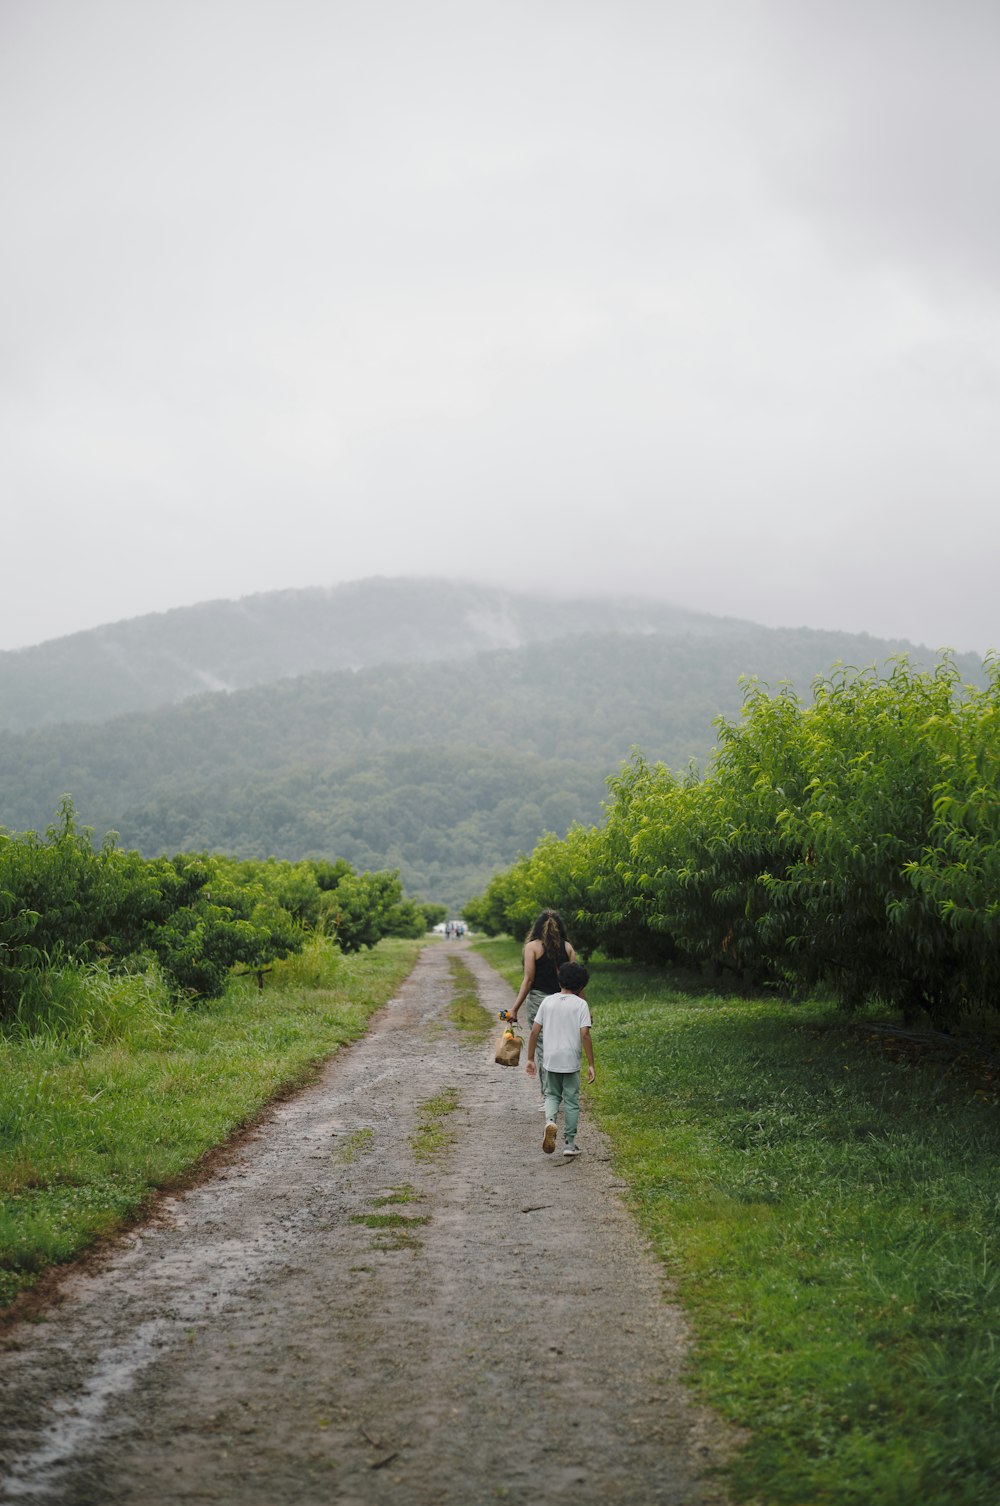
(528, 979)
(536, 1031)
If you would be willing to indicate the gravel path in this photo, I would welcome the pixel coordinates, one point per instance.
(353, 1310)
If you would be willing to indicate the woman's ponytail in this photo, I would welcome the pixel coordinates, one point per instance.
(551, 938)
(551, 932)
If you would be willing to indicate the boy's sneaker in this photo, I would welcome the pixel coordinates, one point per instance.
(549, 1138)
(572, 1150)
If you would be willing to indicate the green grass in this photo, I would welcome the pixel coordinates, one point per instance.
(393, 1231)
(93, 1119)
(353, 1145)
(828, 1212)
(465, 1011)
(433, 1133)
(389, 1220)
(404, 1193)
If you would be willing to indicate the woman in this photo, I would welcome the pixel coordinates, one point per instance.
(545, 951)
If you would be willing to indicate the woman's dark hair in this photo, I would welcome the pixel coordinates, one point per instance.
(550, 931)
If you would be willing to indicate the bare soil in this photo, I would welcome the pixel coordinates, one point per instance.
(371, 1301)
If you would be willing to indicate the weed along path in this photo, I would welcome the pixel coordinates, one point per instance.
(385, 1293)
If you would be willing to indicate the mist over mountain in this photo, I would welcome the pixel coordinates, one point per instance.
(444, 767)
(164, 657)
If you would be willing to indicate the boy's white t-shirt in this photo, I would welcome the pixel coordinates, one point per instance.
(562, 1017)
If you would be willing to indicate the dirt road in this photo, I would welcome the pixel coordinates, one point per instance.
(387, 1294)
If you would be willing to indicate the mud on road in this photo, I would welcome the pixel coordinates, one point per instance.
(387, 1293)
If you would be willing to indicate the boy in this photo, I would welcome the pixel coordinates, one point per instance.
(565, 1019)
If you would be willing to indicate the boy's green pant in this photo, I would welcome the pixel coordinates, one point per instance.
(563, 1088)
(532, 1003)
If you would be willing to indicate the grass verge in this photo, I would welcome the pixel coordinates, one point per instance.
(91, 1123)
(829, 1215)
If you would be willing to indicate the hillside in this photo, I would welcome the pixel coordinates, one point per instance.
(164, 657)
(445, 770)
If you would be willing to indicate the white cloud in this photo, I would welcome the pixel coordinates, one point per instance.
(696, 300)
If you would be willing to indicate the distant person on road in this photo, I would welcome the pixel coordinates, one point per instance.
(565, 1019)
(546, 949)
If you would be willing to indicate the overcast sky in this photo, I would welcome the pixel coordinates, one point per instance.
(694, 299)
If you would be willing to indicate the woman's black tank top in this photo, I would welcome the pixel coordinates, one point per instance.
(546, 978)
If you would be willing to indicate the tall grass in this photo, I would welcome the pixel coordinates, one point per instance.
(84, 1004)
(830, 1216)
(107, 1092)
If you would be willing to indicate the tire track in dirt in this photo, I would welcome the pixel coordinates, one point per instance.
(333, 1317)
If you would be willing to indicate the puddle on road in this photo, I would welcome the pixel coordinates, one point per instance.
(195, 1290)
(81, 1416)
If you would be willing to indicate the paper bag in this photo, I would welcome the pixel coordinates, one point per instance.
(509, 1049)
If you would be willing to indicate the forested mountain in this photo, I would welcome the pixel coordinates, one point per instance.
(162, 658)
(444, 769)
